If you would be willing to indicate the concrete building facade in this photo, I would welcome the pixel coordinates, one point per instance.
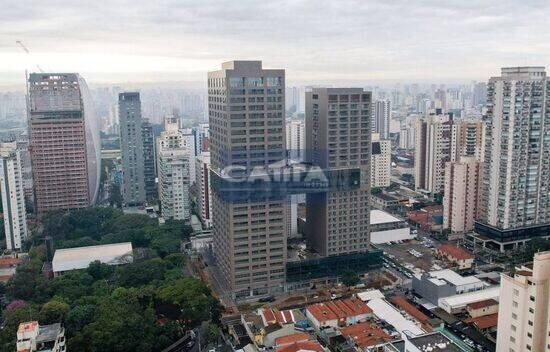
(460, 200)
(338, 125)
(432, 151)
(523, 323)
(204, 189)
(149, 162)
(382, 118)
(173, 172)
(296, 140)
(515, 188)
(13, 195)
(247, 131)
(131, 146)
(380, 162)
(64, 142)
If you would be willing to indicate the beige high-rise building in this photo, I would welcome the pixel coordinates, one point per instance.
(338, 136)
(523, 316)
(247, 130)
(461, 194)
(432, 150)
(380, 162)
(467, 139)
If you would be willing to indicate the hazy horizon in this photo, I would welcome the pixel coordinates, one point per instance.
(315, 41)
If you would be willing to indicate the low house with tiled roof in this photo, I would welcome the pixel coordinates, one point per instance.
(485, 322)
(272, 316)
(365, 335)
(337, 313)
(456, 255)
(301, 346)
(482, 308)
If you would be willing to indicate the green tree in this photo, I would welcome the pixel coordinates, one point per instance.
(192, 297)
(99, 270)
(53, 311)
(140, 273)
(350, 278)
(12, 319)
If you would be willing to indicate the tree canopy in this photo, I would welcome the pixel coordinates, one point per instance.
(141, 306)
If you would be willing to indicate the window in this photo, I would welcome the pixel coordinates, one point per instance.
(514, 304)
(236, 82)
(512, 339)
(514, 316)
(274, 81)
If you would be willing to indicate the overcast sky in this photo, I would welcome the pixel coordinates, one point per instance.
(314, 40)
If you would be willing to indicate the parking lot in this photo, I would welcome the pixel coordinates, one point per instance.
(416, 255)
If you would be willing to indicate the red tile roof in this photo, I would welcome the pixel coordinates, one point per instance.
(338, 309)
(301, 346)
(482, 304)
(285, 340)
(524, 273)
(28, 326)
(484, 322)
(274, 316)
(9, 262)
(457, 253)
(366, 334)
(402, 303)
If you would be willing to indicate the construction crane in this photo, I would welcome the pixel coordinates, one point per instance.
(20, 43)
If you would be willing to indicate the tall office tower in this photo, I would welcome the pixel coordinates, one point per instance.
(247, 130)
(13, 195)
(467, 139)
(296, 140)
(149, 172)
(523, 323)
(380, 162)
(460, 199)
(131, 146)
(432, 150)
(64, 142)
(515, 198)
(203, 187)
(173, 171)
(382, 118)
(338, 136)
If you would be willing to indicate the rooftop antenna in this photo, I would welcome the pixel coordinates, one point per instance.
(20, 43)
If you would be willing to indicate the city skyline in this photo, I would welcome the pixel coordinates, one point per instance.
(371, 40)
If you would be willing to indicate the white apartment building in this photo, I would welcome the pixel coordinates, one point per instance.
(516, 182)
(296, 140)
(461, 194)
(173, 155)
(380, 162)
(191, 145)
(382, 118)
(202, 168)
(13, 195)
(523, 323)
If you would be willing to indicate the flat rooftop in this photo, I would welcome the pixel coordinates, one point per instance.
(382, 217)
(471, 297)
(440, 276)
(81, 257)
(435, 342)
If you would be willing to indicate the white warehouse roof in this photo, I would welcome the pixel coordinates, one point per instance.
(392, 316)
(382, 217)
(458, 302)
(81, 257)
(453, 277)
